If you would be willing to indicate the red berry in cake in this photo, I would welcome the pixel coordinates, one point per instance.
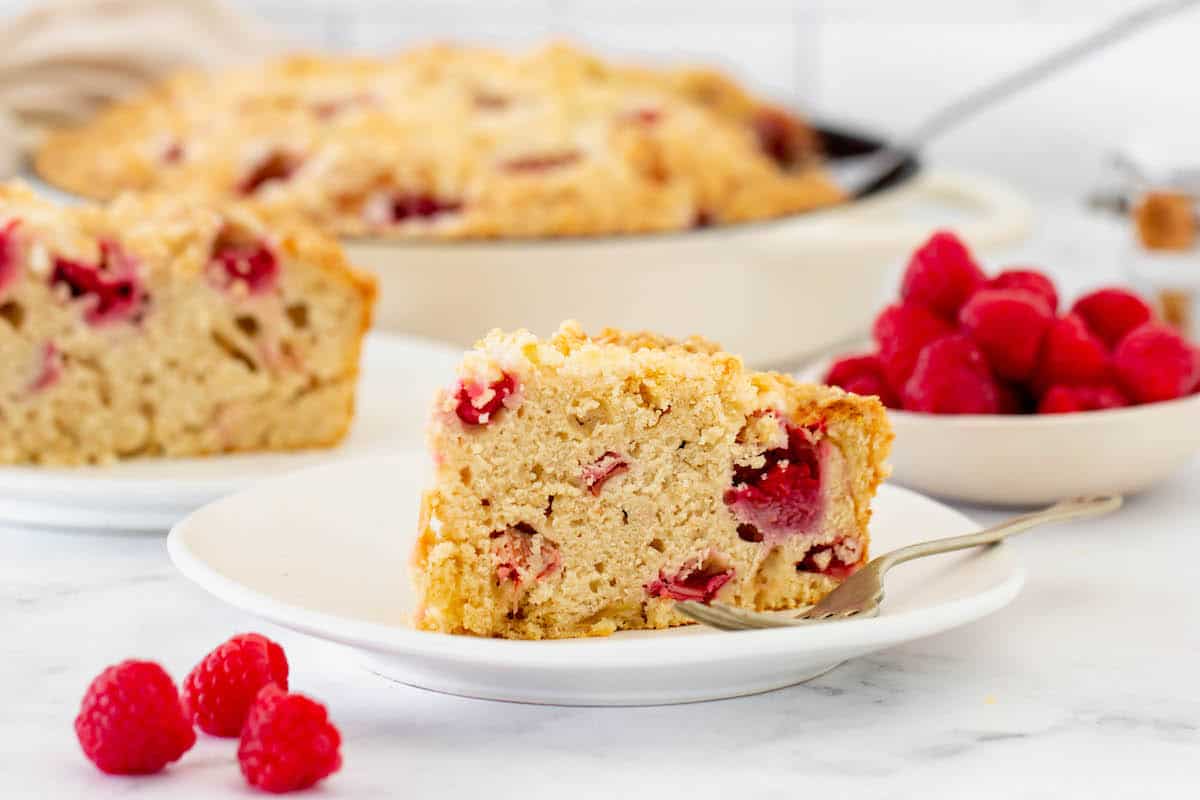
(513, 554)
(783, 496)
(595, 474)
(1067, 399)
(941, 275)
(253, 265)
(218, 693)
(839, 560)
(1029, 280)
(1111, 313)
(49, 370)
(901, 331)
(1072, 355)
(110, 289)
(1153, 363)
(9, 261)
(781, 137)
(288, 742)
(131, 721)
(1008, 325)
(278, 165)
(862, 375)
(695, 580)
(477, 405)
(952, 377)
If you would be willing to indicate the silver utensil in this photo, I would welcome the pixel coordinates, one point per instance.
(862, 592)
(857, 175)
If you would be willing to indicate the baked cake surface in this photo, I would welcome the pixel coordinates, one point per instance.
(457, 142)
(585, 483)
(158, 326)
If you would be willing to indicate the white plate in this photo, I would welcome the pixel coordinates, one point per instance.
(399, 377)
(1034, 459)
(325, 552)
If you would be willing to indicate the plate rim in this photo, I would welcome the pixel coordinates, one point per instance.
(565, 654)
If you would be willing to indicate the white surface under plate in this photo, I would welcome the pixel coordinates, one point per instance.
(325, 552)
(399, 377)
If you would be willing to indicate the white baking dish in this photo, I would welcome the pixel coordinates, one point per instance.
(772, 292)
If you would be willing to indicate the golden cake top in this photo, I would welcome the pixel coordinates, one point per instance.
(456, 142)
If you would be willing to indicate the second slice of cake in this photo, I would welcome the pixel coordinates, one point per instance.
(584, 484)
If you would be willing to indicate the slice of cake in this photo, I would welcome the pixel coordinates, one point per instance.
(585, 484)
(156, 326)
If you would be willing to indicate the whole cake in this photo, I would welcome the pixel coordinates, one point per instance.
(457, 142)
(583, 484)
(156, 326)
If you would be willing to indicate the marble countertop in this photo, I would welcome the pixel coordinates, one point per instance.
(1084, 687)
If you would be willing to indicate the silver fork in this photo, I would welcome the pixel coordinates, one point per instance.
(862, 592)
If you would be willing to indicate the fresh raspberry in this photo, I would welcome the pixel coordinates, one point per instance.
(288, 742)
(1029, 280)
(952, 377)
(218, 693)
(901, 331)
(862, 375)
(1071, 355)
(941, 275)
(477, 404)
(131, 721)
(1067, 399)
(1013, 399)
(1154, 363)
(1008, 325)
(1111, 313)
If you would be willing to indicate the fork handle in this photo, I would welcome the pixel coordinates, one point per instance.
(1075, 508)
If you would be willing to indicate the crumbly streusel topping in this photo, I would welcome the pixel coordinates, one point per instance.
(457, 142)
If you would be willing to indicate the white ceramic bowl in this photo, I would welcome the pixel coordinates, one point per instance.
(1033, 459)
(772, 292)
(1030, 459)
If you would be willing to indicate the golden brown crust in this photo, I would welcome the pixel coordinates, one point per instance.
(458, 143)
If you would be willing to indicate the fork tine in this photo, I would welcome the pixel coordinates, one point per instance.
(719, 615)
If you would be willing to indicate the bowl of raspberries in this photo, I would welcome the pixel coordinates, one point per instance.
(1002, 393)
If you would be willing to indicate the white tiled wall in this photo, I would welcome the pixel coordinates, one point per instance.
(880, 63)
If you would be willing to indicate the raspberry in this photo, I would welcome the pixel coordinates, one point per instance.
(252, 264)
(218, 693)
(1111, 313)
(862, 375)
(423, 206)
(1070, 355)
(781, 137)
(110, 286)
(901, 331)
(595, 474)
(8, 253)
(476, 405)
(1030, 280)
(952, 377)
(131, 721)
(783, 496)
(693, 581)
(1008, 325)
(1066, 399)
(941, 275)
(288, 742)
(1153, 363)
(542, 162)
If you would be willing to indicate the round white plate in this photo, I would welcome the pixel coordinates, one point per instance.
(399, 377)
(325, 552)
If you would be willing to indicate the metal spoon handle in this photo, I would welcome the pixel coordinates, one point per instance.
(859, 177)
(1075, 508)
